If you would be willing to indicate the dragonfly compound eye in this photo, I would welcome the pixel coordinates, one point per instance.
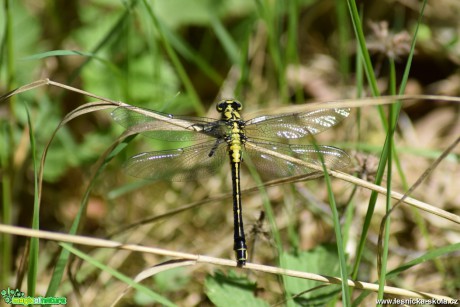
(221, 106)
(236, 105)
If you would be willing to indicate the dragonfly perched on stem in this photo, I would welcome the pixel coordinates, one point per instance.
(232, 138)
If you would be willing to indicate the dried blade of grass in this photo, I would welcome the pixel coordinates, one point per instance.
(149, 272)
(350, 103)
(24, 88)
(89, 241)
(342, 103)
(159, 298)
(43, 82)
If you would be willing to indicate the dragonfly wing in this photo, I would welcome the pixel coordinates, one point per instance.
(295, 125)
(183, 164)
(271, 167)
(167, 127)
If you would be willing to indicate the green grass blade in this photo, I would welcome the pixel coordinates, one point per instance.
(267, 206)
(115, 71)
(7, 203)
(186, 51)
(64, 255)
(53, 53)
(9, 39)
(159, 298)
(405, 77)
(368, 68)
(392, 118)
(384, 156)
(243, 81)
(230, 47)
(176, 62)
(430, 256)
(271, 13)
(33, 254)
(344, 38)
(338, 235)
(346, 298)
(292, 22)
(359, 34)
(105, 40)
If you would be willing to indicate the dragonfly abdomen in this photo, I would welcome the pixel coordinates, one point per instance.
(239, 246)
(235, 142)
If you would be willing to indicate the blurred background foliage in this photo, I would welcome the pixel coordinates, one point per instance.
(182, 56)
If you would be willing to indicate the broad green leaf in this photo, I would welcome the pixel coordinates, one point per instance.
(231, 290)
(321, 260)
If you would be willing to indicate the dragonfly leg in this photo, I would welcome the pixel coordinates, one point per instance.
(214, 148)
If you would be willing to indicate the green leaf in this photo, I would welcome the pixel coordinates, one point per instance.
(321, 260)
(231, 290)
(171, 280)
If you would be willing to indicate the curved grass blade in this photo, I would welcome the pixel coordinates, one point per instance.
(157, 297)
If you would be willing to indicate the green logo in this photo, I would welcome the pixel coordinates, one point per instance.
(9, 294)
(17, 297)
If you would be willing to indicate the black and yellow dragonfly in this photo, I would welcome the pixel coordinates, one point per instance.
(230, 137)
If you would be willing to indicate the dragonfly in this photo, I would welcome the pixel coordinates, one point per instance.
(231, 138)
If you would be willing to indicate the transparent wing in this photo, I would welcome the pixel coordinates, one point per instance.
(295, 125)
(183, 164)
(273, 167)
(167, 127)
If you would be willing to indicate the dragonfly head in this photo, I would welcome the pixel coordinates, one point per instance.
(229, 104)
(229, 108)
